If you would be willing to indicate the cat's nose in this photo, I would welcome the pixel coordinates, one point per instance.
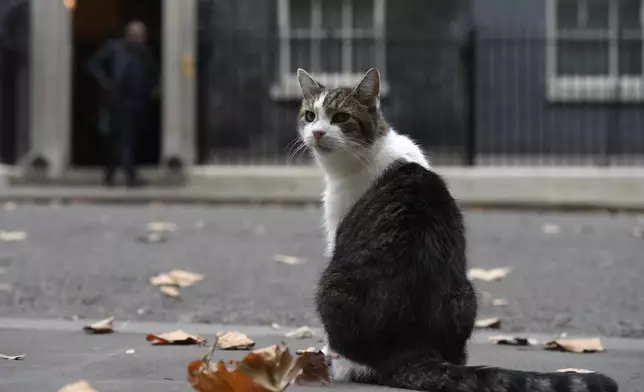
(318, 134)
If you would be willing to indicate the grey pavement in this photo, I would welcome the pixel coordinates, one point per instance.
(83, 261)
(58, 353)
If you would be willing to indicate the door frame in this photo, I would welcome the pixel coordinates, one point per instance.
(51, 87)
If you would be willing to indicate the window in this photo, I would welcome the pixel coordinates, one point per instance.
(336, 40)
(595, 49)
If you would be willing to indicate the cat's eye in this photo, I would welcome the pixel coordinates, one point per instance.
(309, 116)
(340, 118)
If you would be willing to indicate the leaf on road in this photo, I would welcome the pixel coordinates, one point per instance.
(177, 337)
(551, 228)
(79, 386)
(12, 236)
(12, 357)
(303, 332)
(490, 275)
(176, 277)
(289, 260)
(270, 369)
(573, 370)
(513, 340)
(101, 327)
(234, 340)
(161, 227)
(203, 377)
(170, 291)
(500, 302)
(492, 323)
(576, 345)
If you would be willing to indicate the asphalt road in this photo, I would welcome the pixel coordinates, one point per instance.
(56, 355)
(83, 261)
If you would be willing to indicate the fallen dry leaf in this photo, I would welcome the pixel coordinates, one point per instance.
(270, 369)
(500, 302)
(490, 275)
(203, 377)
(101, 327)
(513, 340)
(12, 357)
(177, 337)
(176, 277)
(12, 236)
(289, 260)
(170, 291)
(572, 370)
(576, 345)
(493, 322)
(303, 332)
(551, 228)
(234, 340)
(161, 227)
(79, 386)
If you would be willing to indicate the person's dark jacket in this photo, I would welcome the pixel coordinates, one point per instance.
(108, 67)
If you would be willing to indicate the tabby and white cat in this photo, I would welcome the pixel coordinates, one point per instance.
(394, 299)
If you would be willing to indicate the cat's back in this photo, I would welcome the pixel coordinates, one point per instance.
(409, 208)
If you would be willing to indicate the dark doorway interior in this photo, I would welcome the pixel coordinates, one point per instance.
(94, 23)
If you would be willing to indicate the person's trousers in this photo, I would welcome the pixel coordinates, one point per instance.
(121, 143)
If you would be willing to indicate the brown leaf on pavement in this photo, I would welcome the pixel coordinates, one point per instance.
(274, 368)
(270, 369)
(177, 337)
(176, 277)
(79, 386)
(289, 260)
(12, 357)
(492, 322)
(170, 291)
(234, 340)
(575, 345)
(303, 332)
(203, 377)
(513, 340)
(490, 275)
(101, 327)
(12, 236)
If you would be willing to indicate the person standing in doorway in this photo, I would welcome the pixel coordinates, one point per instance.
(128, 75)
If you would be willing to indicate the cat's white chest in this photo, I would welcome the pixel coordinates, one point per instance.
(339, 197)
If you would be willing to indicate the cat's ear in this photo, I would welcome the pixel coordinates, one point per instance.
(309, 86)
(368, 90)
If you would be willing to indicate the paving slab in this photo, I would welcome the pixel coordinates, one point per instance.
(58, 352)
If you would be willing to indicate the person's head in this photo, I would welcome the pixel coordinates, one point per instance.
(136, 32)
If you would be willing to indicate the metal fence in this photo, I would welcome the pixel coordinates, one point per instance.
(478, 101)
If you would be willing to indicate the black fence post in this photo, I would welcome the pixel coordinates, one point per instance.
(469, 66)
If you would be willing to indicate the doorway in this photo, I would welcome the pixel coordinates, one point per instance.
(94, 23)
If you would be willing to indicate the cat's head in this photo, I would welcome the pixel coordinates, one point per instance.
(344, 120)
